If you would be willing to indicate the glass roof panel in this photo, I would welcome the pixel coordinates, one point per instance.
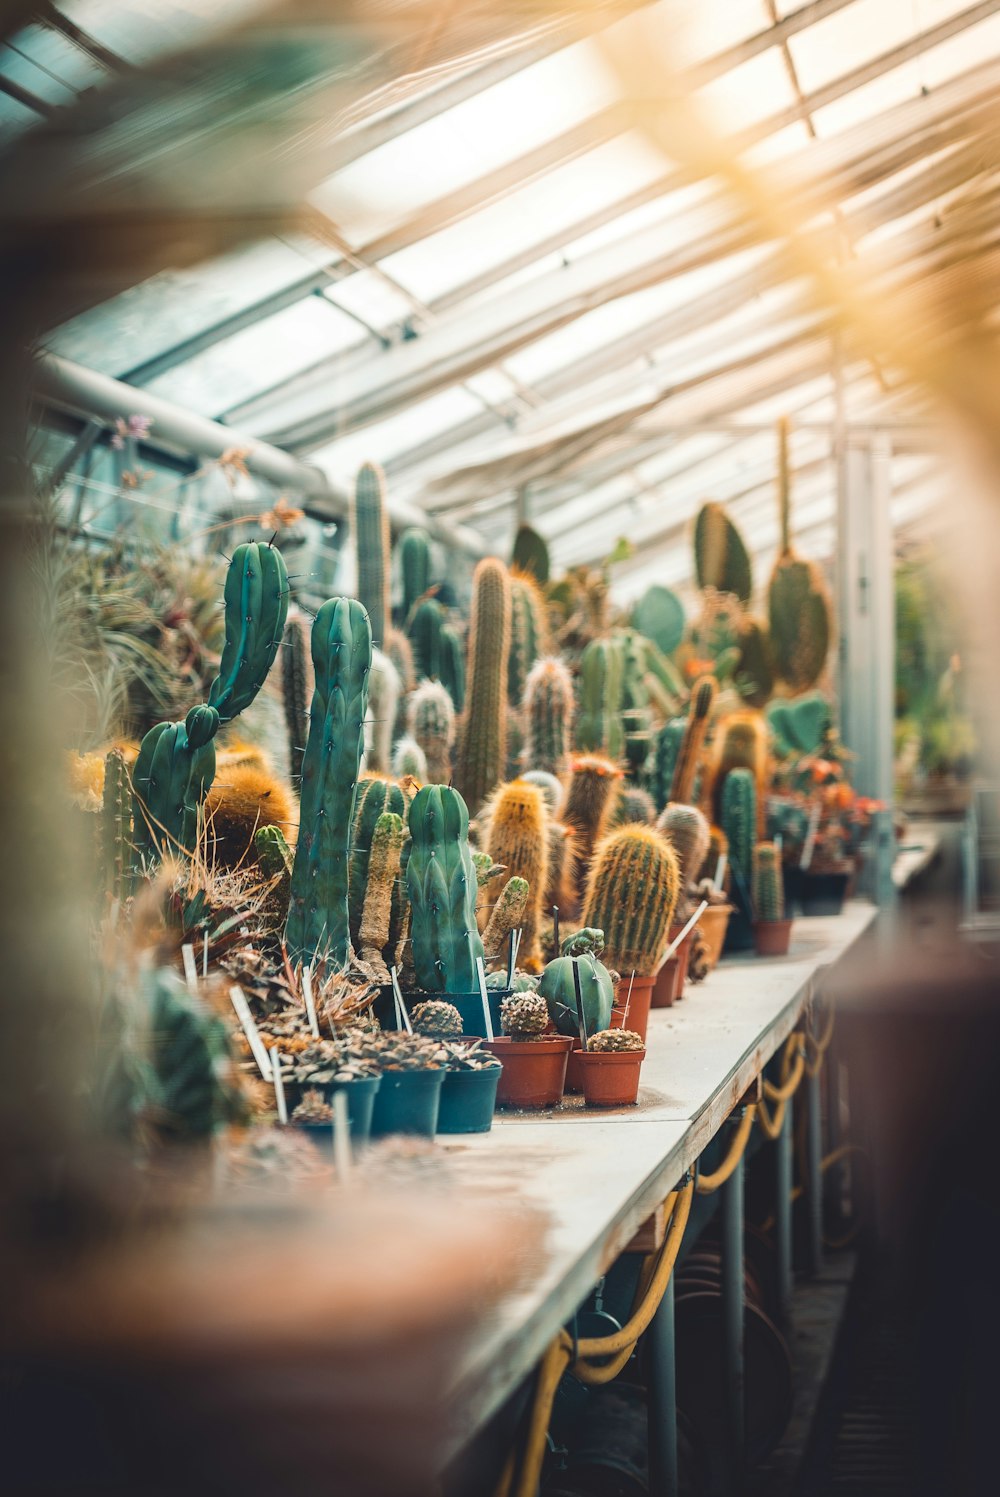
(252, 360)
(342, 458)
(751, 92)
(864, 30)
(499, 124)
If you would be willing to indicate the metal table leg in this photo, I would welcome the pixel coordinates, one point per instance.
(814, 1185)
(783, 1152)
(661, 1400)
(732, 1318)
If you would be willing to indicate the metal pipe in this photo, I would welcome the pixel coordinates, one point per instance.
(661, 1400)
(814, 1155)
(783, 1213)
(64, 385)
(732, 1320)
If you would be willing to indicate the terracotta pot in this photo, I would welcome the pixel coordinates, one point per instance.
(771, 937)
(669, 983)
(611, 1077)
(534, 1071)
(713, 928)
(574, 1070)
(638, 1004)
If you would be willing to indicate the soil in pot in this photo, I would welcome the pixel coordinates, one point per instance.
(611, 1077)
(534, 1071)
(408, 1102)
(467, 1100)
(771, 937)
(638, 1003)
(713, 925)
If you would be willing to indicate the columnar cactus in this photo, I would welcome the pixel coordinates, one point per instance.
(755, 670)
(548, 713)
(688, 833)
(116, 826)
(384, 689)
(295, 692)
(558, 988)
(441, 882)
(373, 541)
(632, 891)
(507, 913)
(375, 797)
(383, 871)
(699, 709)
(527, 633)
(516, 835)
(743, 746)
(453, 666)
(430, 718)
(768, 888)
(256, 598)
(415, 565)
(318, 925)
(798, 602)
(739, 822)
(423, 627)
(594, 787)
(172, 773)
(721, 559)
(666, 752)
(598, 723)
(635, 807)
(563, 866)
(483, 751)
(531, 554)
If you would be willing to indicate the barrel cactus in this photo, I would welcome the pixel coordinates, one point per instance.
(524, 1016)
(616, 1041)
(373, 541)
(442, 1021)
(632, 891)
(597, 993)
(441, 883)
(318, 924)
(483, 750)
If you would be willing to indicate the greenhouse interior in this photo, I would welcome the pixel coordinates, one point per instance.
(503, 756)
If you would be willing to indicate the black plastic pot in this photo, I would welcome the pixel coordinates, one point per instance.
(822, 893)
(469, 1005)
(408, 1102)
(739, 932)
(467, 1100)
(361, 1094)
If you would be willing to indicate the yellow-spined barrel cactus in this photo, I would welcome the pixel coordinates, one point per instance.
(632, 891)
(516, 835)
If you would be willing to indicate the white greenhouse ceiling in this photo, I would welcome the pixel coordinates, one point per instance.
(505, 292)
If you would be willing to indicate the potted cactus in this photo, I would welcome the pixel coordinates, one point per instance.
(328, 1066)
(469, 1092)
(559, 986)
(534, 1062)
(771, 931)
(632, 891)
(314, 1117)
(610, 1068)
(412, 1067)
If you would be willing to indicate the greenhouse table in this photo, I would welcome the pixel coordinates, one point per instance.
(597, 1177)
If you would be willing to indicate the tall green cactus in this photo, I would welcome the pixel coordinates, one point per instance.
(373, 541)
(172, 774)
(768, 888)
(256, 597)
(739, 822)
(295, 693)
(548, 708)
(531, 553)
(415, 565)
(442, 885)
(116, 826)
(482, 757)
(699, 709)
(721, 559)
(376, 797)
(423, 628)
(632, 890)
(453, 667)
(318, 924)
(666, 751)
(798, 601)
(598, 723)
(527, 633)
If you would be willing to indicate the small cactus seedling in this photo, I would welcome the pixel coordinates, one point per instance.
(768, 889)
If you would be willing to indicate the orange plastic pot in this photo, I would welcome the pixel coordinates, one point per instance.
(638, 1004)
(574, 1070)
(713, 929)
(534, 1071)
(771, 937)
(611, 1077)
(669, 983)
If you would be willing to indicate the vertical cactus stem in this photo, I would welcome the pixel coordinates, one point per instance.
(482, 758)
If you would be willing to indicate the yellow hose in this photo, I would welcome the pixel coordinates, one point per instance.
(708, 1183)
(791, 1075)
(817, 1048)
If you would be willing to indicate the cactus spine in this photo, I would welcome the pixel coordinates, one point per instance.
(688, 833)
(371, 533)
(768, 889)
(318, 923)
(430, 718)
(527, 633)
(739, 822)
(415, 565)
(383, 871)
(295, 693)
(594, 788)
(548, 711)
(699, 709)
(798, 602)
(720, 557)
(517, 836)
(666, 752)
(483, 752)
(632, 892)
(116, 826)
(441, 882)
(598, 724)
(507, 913)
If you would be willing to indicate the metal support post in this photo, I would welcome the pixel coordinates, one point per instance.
(814, 1185)
(783, 1152)
(661, 1400)
(732, 1319)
